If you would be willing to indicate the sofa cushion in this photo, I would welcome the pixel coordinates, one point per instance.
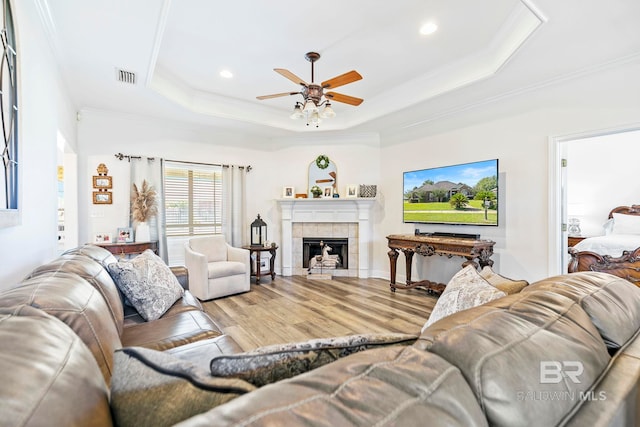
(71, 299)
(215, 270)
(152, 388)
(201, 352)
(506, 285)
(273, 363)
(171, 331)
(466, 289)
(148, 284)
(93, 273)
(612, 303)
(394, 385)
(48, 375)
(515, 350)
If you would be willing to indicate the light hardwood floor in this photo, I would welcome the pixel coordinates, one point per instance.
(290, 309)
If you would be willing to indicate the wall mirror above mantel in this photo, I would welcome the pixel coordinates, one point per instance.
(323, 173)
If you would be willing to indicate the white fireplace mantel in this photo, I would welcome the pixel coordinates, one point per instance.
(338, 210)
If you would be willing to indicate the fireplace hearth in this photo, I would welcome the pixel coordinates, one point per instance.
(312, 246)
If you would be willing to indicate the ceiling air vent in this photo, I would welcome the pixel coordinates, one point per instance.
(125, 76)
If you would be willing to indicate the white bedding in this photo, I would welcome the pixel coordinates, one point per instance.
(613, 244)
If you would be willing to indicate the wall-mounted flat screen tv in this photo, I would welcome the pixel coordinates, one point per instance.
(457, 194)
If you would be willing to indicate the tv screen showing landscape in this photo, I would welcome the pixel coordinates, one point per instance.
(457, 194)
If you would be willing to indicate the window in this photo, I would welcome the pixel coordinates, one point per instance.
(193, 199)
(9, 213)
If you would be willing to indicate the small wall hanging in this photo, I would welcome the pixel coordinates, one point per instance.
(102, 183)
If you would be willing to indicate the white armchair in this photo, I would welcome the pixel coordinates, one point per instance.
(216, 269)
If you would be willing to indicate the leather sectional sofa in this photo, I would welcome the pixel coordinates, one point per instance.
(563, 351)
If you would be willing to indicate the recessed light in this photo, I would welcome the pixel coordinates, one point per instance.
(428, 28)
(226, 74)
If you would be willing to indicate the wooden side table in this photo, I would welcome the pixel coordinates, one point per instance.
(123, 249)
(257, 249)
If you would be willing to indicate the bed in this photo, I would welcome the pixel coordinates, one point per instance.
(617, 251)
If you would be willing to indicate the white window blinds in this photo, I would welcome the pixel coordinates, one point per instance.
(193, 199)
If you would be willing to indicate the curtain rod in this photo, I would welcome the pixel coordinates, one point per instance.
(121, 156)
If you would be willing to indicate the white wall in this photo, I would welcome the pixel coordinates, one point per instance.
(103, 134)
(520, 139)
(602, 173)
(43, 109)
(609, 97)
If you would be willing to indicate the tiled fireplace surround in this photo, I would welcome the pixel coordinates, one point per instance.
(342, 217)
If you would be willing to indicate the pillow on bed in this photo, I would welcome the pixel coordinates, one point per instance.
(625, 224)
(608, 226)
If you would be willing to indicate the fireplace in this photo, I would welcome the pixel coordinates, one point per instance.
(312, 246)
(327, 219)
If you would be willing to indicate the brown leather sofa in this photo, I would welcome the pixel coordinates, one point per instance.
(564, 351)
(77, 289)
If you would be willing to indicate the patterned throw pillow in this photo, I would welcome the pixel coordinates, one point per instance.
(466, 289)
(273, 363)
(148, 283)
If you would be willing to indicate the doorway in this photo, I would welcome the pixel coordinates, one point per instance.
(67, 189)
(592, 173)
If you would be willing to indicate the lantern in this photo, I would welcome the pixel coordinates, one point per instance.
(258, 232)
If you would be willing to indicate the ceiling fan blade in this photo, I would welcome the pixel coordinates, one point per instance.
(352, 100)
(277, 95)
(341, 80)
(288, 74)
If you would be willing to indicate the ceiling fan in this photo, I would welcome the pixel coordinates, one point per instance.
(313, 92)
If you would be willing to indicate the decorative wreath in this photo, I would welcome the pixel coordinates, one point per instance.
(322, 161)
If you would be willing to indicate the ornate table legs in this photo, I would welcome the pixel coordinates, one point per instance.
(431, 287)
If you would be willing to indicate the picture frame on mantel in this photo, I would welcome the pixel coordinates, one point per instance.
(288, 192)
(352, 190)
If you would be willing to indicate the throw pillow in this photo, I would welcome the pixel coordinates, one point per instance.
(148, 283)
(153, 388)
(506, 285)
(625, 224)
(466, 289)
(273, 363)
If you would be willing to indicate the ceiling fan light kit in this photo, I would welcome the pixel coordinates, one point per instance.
(313, 93)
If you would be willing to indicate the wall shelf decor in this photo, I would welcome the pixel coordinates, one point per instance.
(102, 183)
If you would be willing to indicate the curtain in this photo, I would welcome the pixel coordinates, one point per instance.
(234, 204)
(152, 170)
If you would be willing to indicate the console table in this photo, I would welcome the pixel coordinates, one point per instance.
(129, 248)
(476, 252)
(257, 249)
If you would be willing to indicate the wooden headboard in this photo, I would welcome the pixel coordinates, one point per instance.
(625, 210)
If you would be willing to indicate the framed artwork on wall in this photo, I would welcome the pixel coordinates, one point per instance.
(102, 198)
(100, 182)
